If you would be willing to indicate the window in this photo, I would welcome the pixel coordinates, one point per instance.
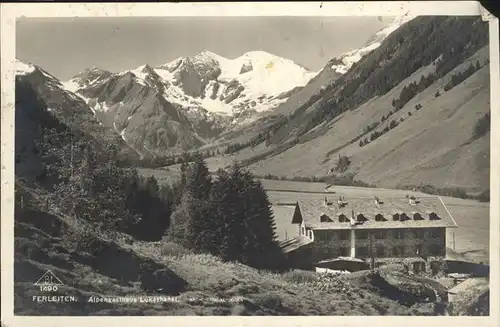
(404, 217)
(362, 251)
(344, 235)
(303, 231)
(418, 233)
(418, 249)
(396, 217)
(417, 216)
(379, 217)
(435, 250)
(379, 235)
(398, 234)
(323, 235)
(433, 216)
(380, 251)
(325, 219)
(344, 251)
(398, 251)
(361, 218)
(362, 234)
(435, 232)
(343, 219)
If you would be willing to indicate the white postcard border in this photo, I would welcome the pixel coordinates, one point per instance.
(10, 12)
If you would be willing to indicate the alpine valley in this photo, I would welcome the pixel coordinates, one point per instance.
(414, 81)
(130, 183)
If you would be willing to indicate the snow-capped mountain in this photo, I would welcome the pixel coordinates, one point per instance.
(37, 88)
(344, 62)
(116, 106)
(256, 81)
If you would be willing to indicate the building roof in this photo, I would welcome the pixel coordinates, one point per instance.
(431, 212)
(294, 243)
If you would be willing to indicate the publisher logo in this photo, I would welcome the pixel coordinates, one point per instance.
(49, 282)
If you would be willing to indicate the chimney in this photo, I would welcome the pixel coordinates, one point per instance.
(341, 202)
(412, 200)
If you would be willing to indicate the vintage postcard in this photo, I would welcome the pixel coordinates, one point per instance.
(299, 163)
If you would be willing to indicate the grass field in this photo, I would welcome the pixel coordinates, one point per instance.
(472, 217)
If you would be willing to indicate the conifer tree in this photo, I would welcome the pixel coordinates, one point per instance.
(231, 210)
(198, 179)
(197, 206)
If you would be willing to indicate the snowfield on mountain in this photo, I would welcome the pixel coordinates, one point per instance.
(257, 80)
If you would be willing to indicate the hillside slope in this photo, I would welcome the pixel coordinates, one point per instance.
(200, 284)
(376, 96)
(38, 91)
(92, 261)
(432, 146)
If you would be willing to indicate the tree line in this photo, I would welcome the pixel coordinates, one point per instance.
(410, 91)
(462, 76)
(85, 181)
(156, 162)
(229, 216)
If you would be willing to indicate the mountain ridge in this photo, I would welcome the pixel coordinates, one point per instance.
(423, 55)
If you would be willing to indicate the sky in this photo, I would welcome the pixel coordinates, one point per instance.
(66, 46)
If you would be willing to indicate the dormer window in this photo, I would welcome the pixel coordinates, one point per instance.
(433, 216)
(396, 217)
(343, 219)
(417, 216)
(379, 217)
(325, 219)
(404, 217)
(361, 218)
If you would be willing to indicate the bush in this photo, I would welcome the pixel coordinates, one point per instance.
(446, 191)
(482, 126)
(342, 164)
(173, 250)
(299, 276)
(162, 281)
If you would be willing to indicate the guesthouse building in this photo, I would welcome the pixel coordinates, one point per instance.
(377, 231)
